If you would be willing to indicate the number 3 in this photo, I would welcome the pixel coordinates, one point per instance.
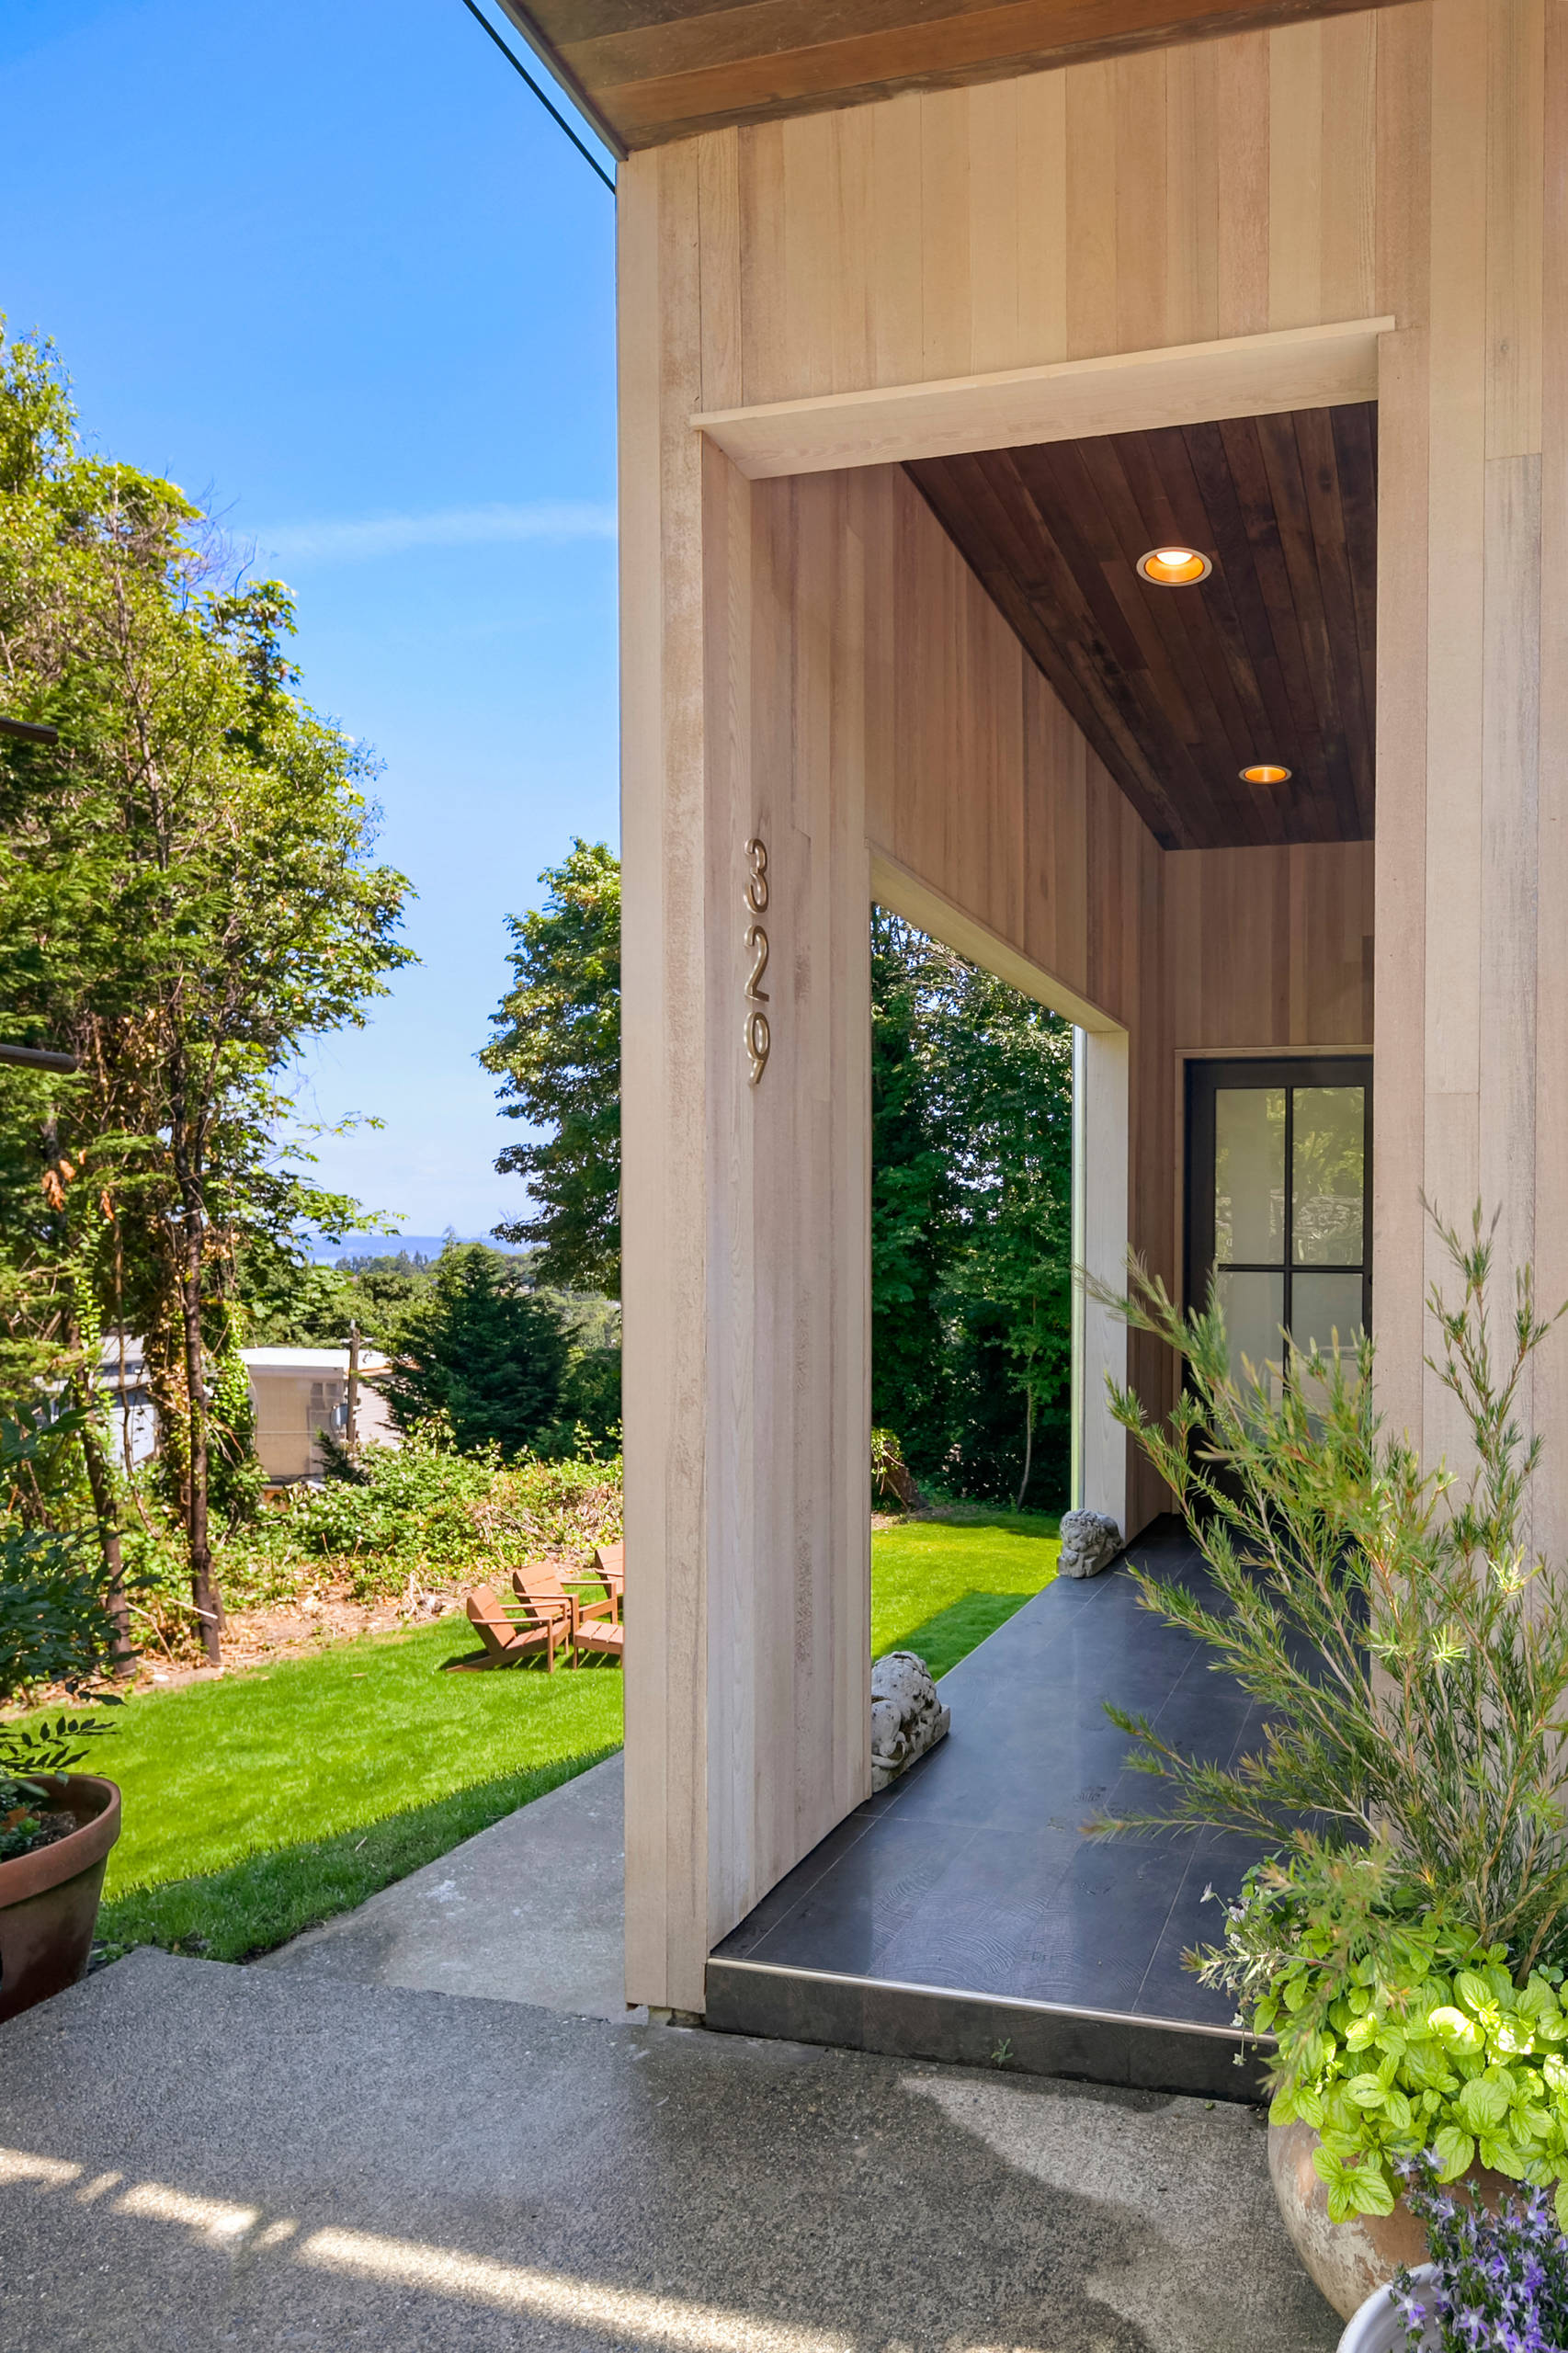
(757, 888)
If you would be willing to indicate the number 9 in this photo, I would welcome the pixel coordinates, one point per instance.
(759, 1041)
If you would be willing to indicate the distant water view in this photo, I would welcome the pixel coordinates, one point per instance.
(387, 1245)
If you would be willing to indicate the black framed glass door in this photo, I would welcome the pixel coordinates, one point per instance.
(1280, 1200)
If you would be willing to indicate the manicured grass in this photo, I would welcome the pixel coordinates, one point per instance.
(258, 1805)
(941, 1586)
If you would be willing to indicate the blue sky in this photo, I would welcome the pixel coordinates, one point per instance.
(331, 268)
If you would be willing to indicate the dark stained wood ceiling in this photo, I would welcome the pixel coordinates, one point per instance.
(648, 71)
(1271, 658)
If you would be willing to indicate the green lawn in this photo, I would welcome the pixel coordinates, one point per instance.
(940, 1586)
(260, 1805)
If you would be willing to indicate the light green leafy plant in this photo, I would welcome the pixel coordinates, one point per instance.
(1398, 2029)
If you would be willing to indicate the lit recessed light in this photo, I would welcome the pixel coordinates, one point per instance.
(1174, 567)
(1266, 772)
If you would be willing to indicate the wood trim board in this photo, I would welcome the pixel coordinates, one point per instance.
(1123, 391)
(903, 893)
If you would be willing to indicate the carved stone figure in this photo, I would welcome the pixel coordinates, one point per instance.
(1090, 1542)
(907, 1718)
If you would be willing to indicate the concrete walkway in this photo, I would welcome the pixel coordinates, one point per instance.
(530, 1910)
(197, 2156)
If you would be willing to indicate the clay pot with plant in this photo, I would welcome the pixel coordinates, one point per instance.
(1404, 1951)
(56, 1825)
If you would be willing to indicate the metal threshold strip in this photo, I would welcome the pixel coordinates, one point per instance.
(1259, 2042)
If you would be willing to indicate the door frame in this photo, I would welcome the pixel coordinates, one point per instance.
(1205, 1074)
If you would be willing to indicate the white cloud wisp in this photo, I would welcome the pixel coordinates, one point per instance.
(455, 527)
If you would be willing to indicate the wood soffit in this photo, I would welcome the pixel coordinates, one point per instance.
(649, 71)
(1273, 658)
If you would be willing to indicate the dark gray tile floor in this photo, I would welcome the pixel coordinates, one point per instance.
(973, 1874)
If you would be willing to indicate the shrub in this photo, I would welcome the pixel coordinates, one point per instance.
(54, 1630)
(1412, 1654)
(424, 1505)
(1408, 1942)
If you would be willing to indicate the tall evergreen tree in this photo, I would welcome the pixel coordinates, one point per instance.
(481, 1350)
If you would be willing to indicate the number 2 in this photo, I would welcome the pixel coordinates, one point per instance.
(756, 939)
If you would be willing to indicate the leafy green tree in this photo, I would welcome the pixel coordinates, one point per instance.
(971, 1155)
(1009, 1065)
(557, 1052)
(481, 1351)
(916, 1232)
(970, 1183)
(186, 900)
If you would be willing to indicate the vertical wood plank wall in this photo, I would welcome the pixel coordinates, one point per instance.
(1392, 163)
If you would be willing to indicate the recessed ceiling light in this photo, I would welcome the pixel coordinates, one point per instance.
(1174, 567)
(1266, 772)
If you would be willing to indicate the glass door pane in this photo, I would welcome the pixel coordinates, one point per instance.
(1249, 1175)
(1253, 1304)
(1328, 1170)
(1322, 1305)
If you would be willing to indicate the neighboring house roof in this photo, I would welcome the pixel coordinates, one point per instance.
(317, 1360)
(311, 1360)
(131, 1353)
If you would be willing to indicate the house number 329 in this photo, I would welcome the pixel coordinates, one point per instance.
(758, 1038)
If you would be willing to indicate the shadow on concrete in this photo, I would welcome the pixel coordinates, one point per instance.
(269, 2164)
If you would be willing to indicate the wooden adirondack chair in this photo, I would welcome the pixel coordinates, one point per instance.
(609, 1560)
(593, 1623)
(547, 1627)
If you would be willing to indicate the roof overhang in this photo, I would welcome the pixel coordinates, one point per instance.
(646, 72)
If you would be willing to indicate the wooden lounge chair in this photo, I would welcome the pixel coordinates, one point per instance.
(609, 1560)
(547, 1627)
(601, 1640)
(593, 1623)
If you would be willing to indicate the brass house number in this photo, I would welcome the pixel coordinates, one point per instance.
(759, 1037)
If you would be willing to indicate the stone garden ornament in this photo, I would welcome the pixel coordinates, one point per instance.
(1090, 1542)
(907, 1717)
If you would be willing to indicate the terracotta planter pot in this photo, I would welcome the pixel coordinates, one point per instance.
(49, 1901)
(1349, 2261)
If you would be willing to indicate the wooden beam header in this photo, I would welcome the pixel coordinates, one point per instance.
(1129, 391)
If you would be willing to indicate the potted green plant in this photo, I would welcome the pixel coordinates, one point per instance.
(1404, 1948)
(56, 1827)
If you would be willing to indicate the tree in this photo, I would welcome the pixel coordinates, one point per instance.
(481, 1351)
(970, 1176)
(185, 899)
(558, 1054)
(970, 1219)
(1010, 1063)
(916, 1228)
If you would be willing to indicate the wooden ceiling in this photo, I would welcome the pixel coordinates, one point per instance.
(1271, 658)
(648, 71)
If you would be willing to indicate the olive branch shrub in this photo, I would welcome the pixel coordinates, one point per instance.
(1407, 1942)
